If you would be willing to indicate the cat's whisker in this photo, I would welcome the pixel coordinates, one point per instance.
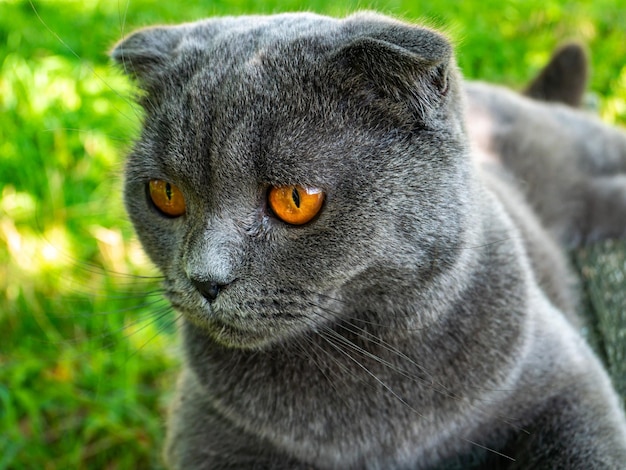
(488, 449)
(119, 311)
(362, 320)
(169, 324)
(328, 355)
(437, 387)
(493, 243)
(91, 341)
(312, 354)
(371, 338)
(338, 377)
(365, 353)
(129, 295)
(93, 268)
(154, 317)
(112, 332)
(368, 372)
(122, 295)
(343, 340)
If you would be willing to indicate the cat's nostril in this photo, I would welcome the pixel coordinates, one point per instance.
(208, 289)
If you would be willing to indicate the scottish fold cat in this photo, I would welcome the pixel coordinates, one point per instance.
(361, 284)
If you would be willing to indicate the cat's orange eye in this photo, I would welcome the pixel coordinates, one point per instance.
(295, 205)
(167, 198)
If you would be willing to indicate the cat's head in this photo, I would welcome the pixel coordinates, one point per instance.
(243, 116)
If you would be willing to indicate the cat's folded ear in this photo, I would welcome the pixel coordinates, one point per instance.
(146, 51)
(401, 63)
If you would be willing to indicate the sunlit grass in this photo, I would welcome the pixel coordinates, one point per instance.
(87, 345)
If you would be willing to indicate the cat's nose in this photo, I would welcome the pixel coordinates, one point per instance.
(208, 289)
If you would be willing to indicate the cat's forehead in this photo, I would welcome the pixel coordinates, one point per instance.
(257, 93)
(264, 30)
(230, 67)
(296, 93)
(260, 125)
(231, 41)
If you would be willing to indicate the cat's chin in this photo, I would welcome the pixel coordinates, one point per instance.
(231, 335)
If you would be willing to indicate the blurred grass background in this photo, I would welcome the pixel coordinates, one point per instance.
(88, 351)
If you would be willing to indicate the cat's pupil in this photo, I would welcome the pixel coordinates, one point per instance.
(295, 195)
(168, 191)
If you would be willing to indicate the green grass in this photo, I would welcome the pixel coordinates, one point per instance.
(88, 349)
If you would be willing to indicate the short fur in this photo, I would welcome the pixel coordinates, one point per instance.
(418, 321)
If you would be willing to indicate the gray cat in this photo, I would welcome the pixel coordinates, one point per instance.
(357, 289)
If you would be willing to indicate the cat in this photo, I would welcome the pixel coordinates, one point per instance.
(361, 284)
(564, 79)
(579, 192)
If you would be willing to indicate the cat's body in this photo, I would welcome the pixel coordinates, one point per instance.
(417, 320)
(579, 190)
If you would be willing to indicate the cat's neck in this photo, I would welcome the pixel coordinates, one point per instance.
(359, 365)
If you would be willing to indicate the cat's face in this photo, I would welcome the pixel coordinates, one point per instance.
(363, 112)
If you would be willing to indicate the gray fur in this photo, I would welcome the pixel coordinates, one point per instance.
(564, 78)
(417, 322)
(570, 166)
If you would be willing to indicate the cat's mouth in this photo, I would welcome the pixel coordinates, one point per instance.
(236, 334)
(246, 316)
(231, 327)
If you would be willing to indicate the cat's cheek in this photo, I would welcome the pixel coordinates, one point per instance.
(159, 238)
